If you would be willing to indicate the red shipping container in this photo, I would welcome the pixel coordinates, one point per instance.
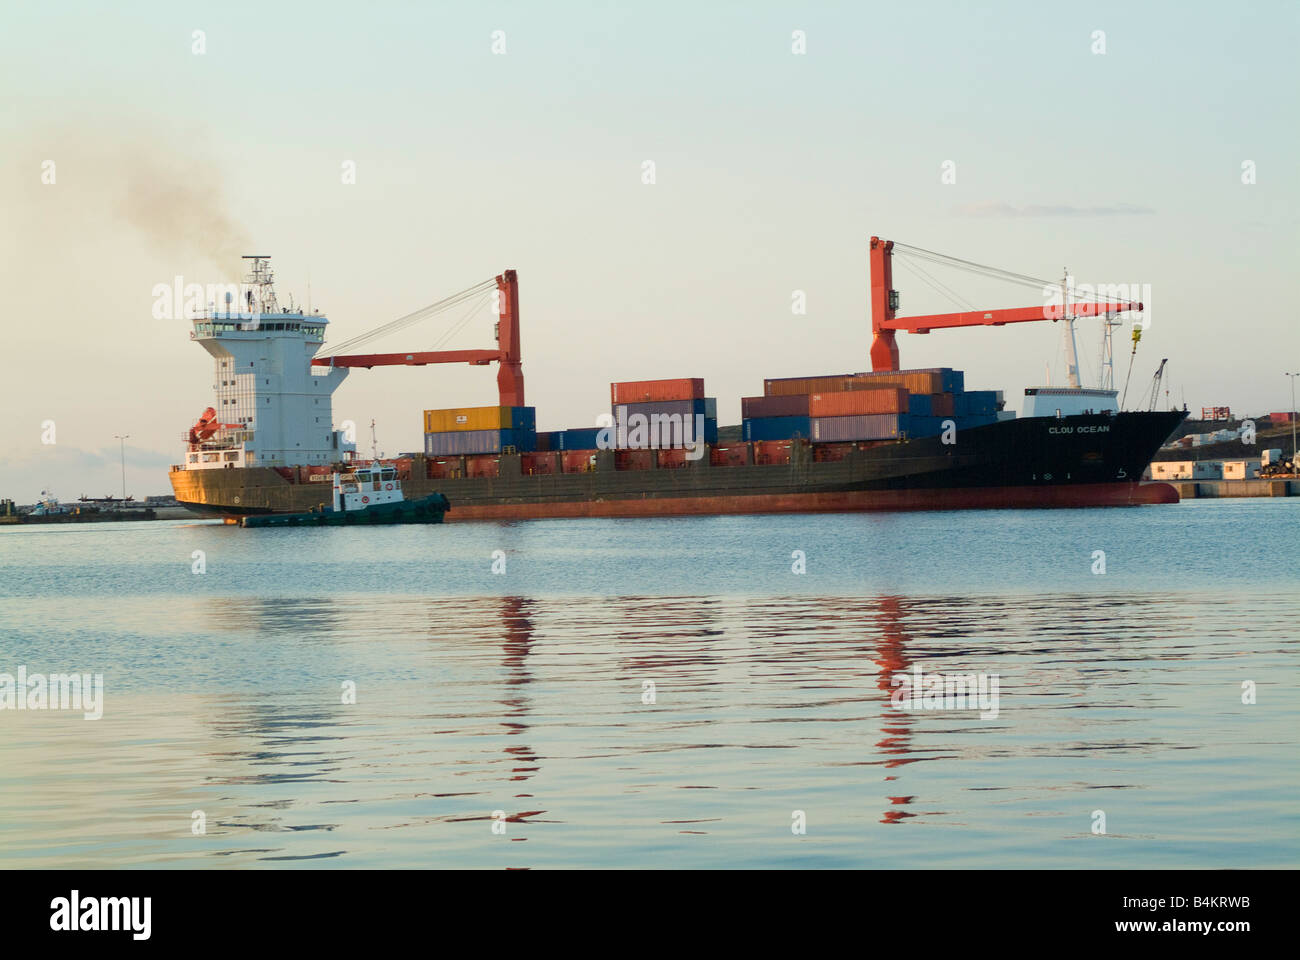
(444, 469)
(534, 464)
(732, 455)
(857, 402)
(672, 458)
(783, 406)
(829, 452)
(578, 461)
(634, 459)
(941, 405)
(772, 451)
(483, 465)
(645, 391)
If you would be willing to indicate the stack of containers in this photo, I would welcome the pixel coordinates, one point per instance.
(859, 415)
(775, 418)
(682, 399)
(462, 431)
(929, 380)
(888, 404)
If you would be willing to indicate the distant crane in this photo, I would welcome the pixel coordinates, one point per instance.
(1155, 384)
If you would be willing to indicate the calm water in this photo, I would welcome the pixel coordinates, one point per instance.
(524, 692)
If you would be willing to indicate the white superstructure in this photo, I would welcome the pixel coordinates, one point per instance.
(273, 409)
(366, 487)
(1068, 401)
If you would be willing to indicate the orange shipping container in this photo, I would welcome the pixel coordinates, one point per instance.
(801, 385)
(857, 402)
(914, 381)
(644, 391)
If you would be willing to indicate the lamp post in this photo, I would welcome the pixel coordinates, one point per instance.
(1293, 450)
(123, 438)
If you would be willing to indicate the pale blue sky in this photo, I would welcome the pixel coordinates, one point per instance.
(773, 170)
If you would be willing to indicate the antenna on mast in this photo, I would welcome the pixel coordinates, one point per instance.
(1108, 351)
(262, 281)
(1071, 348)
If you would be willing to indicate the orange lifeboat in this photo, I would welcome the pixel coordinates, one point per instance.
(206, 426)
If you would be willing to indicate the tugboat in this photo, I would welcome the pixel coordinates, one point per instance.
(367, 495)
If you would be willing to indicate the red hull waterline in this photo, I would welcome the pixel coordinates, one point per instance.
(974, 498)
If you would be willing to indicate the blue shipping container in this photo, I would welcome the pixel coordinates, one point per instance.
(579, 439)
(466, 442)
(776, 428)
(918, 404)
(977, 403)
(926, 426)
(523, 418)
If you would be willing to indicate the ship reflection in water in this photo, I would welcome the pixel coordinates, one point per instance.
(668, 732)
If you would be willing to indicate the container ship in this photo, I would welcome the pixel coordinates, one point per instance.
(884, 439)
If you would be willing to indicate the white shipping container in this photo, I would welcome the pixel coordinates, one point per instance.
(1187, 470)
(1240, 469)
(1171, 470)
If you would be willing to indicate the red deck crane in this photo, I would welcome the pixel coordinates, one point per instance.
(884, 304)
(510, 376)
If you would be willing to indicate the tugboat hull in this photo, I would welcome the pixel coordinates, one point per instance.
(428, 509)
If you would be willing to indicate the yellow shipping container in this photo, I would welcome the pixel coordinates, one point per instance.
(468, 418)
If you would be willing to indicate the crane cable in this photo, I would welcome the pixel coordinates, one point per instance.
(996, 273)
(416, 316)
(460, 324)
(936, 285)
(1137, 335)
